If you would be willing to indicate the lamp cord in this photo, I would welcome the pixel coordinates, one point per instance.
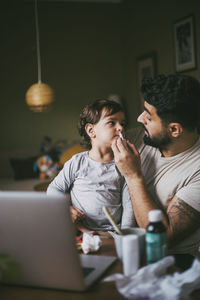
(37, 42)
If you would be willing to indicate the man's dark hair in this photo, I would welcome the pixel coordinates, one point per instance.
(176, 98)
(92, 114)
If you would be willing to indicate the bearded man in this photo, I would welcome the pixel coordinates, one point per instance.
(162, 165)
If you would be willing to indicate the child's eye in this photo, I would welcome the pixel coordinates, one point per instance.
(111, 123)
(123, 124)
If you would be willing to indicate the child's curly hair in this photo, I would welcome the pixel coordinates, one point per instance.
(91, 113)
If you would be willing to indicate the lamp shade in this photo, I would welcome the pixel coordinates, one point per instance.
(39, 97)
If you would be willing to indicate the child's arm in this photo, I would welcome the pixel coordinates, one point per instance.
(63, 181)
(128, 218)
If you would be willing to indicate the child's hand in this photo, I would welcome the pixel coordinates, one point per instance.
(76, 214)
(83, 229)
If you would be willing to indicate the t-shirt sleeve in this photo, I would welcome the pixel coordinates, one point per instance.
(128, 218)
(62, 182)
(191, 192)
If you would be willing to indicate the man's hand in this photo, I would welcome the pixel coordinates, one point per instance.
(127, 161)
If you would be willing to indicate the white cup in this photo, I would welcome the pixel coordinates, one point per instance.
(130, 247)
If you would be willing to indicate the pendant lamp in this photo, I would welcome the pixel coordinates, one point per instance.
(40, 96)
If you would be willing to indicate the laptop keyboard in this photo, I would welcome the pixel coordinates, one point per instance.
(87, 271)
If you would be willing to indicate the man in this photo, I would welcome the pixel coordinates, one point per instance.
(162, 169)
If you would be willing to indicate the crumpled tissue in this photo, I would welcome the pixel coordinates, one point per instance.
(90, 242)
(152, 282)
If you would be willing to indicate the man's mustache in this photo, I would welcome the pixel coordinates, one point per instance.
(145, 128)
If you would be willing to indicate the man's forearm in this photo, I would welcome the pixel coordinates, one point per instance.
(142, 201)
(180, 219)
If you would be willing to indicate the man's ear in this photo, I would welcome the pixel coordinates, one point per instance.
(89, 128)
(175, 129)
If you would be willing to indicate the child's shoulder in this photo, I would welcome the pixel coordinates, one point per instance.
(79, 156)
(76, 158)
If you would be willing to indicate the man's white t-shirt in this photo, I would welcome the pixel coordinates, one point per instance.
(166, 177)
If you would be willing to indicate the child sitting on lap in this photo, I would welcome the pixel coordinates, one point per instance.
(91, 177)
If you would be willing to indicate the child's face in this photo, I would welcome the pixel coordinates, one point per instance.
(108, 128)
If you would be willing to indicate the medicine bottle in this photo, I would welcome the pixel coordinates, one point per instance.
(156, 239)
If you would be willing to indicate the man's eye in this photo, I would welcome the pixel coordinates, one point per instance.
(147, 116)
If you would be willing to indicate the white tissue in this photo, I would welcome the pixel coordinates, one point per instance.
(152, 282)
(90, 242)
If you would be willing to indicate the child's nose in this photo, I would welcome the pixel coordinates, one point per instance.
(120, 128)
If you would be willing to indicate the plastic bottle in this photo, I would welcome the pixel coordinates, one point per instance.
(156, 239)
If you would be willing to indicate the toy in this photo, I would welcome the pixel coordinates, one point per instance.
(46, 166)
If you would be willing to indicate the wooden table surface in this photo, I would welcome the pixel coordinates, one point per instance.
(99, 291)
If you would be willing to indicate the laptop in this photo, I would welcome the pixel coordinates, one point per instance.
(36, 230)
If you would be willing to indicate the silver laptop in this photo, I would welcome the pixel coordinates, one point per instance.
(37, 231)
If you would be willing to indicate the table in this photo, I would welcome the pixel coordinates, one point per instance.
(99, 291)
(42, 186)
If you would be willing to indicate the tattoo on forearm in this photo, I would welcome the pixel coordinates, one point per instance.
(183, 219)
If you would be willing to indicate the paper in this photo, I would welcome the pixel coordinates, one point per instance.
(90, 243)
(151, 281)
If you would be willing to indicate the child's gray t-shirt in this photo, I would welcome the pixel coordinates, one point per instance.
(92, 185)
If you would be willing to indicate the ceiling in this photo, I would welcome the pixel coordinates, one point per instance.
(99, 1)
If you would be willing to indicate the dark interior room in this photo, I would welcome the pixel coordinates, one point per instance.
(88, 50)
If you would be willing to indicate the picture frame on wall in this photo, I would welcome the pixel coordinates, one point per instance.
(185, 44)
(146, 67)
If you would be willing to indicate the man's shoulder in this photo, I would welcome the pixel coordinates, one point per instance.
(194, 151)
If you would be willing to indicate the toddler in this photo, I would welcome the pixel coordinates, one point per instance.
(91, 177)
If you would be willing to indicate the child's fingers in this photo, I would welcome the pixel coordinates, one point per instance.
(83, 229)
(76, 214)
(80, 213)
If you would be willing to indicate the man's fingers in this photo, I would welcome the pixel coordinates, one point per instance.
(119, 145)
(114, 146)
(119, 148)
(132, 147)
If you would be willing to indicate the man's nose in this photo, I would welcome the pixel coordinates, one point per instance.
(141, 118)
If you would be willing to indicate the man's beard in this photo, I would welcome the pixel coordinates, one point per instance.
(161, 141)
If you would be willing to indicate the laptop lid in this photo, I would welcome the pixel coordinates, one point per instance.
(37, 231)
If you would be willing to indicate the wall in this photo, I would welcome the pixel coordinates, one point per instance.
(87, 51)
(148, 26)
(80, 56)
